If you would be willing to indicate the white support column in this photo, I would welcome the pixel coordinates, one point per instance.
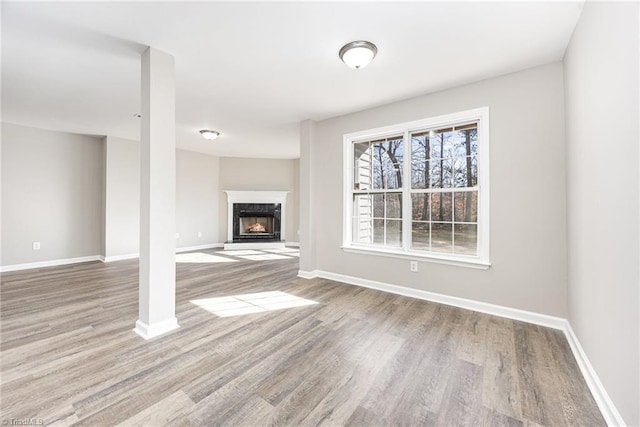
(157, 288)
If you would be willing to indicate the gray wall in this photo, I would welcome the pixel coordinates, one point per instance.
(51, 193)
(261, 174)
(601, 83)
(196, 198)
(80, 195)
(122, 197)
(528, 209)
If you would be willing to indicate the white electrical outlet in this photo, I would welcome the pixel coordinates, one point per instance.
(36, 246)
(413, 266)
(177, 235)
(199, 234)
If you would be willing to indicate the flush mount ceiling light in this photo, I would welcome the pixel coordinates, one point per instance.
(358, 54)
(209, 134)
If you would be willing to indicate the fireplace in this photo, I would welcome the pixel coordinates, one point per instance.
(256, 222)
(256, 219)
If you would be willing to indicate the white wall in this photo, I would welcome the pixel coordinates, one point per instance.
(601, 83)
(80, 195)
(122, 197)
(528, 214)
(197, 198)
(51, 193)
(260, 174)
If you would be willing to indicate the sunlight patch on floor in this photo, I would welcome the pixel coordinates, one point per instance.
(260, 302)
(202, 258)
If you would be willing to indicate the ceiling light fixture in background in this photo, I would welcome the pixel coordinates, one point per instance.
(209, 134)
(358, 54)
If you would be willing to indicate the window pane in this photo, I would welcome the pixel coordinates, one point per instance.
(466, 239)
(363, 164)
(420, 155)
(466, 174)
(466, 206)
(441, 207)
(465, 140)
(474, 171)
(387, 162)
(363, 219)
(420, 207)
(394, 232)
(378, 231)
(441, 237)
(378, 205)
(420, 235)
(394, 205)
(442, 143)
(441, 173)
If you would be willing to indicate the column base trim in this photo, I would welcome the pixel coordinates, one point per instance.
(151, 331)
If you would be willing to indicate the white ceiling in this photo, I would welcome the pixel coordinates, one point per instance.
(253, 71)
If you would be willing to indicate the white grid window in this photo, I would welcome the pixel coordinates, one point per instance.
(420, 189)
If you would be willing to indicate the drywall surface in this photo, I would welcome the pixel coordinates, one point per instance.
(197, 213)
(528, 199)
(249, 174)
(196, 198)
(80, 196)
(601, 84)
(51, 193)
(122, 197)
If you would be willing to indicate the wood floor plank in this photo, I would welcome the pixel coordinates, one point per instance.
(501, 380)
(356, 357)
(162, 412)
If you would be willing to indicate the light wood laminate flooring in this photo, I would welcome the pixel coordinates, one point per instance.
(339, 355)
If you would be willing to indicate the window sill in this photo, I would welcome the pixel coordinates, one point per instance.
(416, 256)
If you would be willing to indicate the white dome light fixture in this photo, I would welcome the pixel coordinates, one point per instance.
(209, 134)
(358, 54)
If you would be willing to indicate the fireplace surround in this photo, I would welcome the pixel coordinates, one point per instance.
(255, 219)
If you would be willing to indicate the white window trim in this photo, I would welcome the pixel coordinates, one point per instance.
(482, 260)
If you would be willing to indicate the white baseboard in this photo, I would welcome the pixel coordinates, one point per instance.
(292, 244)
(178, 250)
(308, 274)
(51, 263)
(151, 331)
(483, 307)
(119, 257)
(600, 395)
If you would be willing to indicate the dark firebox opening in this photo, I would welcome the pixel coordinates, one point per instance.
(256, 222)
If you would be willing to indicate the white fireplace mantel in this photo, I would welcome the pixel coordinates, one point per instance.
(256, 197)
